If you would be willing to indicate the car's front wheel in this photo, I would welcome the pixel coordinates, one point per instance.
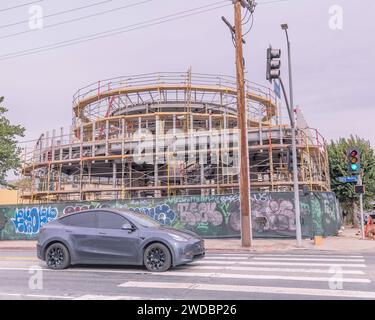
(157, 258)
(57, 256)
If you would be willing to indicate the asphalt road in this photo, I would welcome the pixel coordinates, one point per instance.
(224, 275)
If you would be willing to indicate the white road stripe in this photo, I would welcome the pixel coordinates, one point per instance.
(291, 270)
(22, 295)
(219, 257)
(196, 266)
(73, 270)
(251, 289)
(220, 275)
(310, 259)
(308, 255)
(84, 297)
(224, 258)
(275, 263)
(102, 297)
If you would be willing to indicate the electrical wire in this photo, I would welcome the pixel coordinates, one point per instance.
(274, 1)
(251, 26)
(56, 13)
(247, 11)
(20, 5)
(108, 33)
(76, 19)
(248, 19)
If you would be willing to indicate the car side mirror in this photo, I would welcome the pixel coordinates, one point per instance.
(127, 226)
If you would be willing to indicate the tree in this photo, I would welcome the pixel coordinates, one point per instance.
(9, 151)
(338, 163)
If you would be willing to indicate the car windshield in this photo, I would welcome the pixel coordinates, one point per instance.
(142, 219)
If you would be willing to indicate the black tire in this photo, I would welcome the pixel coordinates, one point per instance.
(157, 258)
(57, 256)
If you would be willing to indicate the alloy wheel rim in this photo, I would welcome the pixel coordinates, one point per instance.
(156, 258)
(55, 257)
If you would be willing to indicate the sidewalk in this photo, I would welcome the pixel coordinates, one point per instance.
(347, 241)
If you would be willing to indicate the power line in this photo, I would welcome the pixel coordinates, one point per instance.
(76, 19)
(137, 26)
(274, 1)
(251, 25)
(20, 6)
(55, 14)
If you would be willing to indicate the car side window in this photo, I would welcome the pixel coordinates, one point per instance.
(109, 220)
(84, 220)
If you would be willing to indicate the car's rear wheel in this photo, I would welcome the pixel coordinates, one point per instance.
(157, 258)
(57, 256)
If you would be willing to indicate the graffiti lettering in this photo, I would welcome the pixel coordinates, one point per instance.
(71, 209)
(273, 215)
(210, 216)
(29, 221)
(194, 213)
(162, 213)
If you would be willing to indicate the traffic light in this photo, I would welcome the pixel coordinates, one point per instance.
(273, 64)
(289, 158)
(354, 160)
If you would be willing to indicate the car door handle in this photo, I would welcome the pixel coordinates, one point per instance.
(102, 233)
(69, 231)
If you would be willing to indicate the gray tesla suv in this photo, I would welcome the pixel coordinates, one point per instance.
(106, 236)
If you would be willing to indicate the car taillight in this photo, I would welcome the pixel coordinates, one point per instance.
(41, 230)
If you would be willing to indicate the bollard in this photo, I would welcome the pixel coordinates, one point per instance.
(318, 240)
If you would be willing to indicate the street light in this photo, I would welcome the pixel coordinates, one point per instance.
(294, 146)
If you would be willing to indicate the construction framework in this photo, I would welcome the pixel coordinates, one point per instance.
(166, 134)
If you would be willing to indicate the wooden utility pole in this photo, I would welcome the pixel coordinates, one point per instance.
(246, 232)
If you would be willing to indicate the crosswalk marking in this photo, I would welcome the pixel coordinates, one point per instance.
(265, 269)
(224, 258)
(221, 275)
(219, 257)
(250, 289)
(283, 255)
(285, 270)
(310, 259)
(309, 255)
(35, 296)
(103, 297)
(277, 263)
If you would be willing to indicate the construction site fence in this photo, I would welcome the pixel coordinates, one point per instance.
(215, 216)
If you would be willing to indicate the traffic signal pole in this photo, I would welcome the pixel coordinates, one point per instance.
(361, 210)
(294, 147)
(295, 170)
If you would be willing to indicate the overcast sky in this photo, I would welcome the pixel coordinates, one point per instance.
(333, 69)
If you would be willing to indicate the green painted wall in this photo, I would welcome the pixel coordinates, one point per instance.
(209, 216)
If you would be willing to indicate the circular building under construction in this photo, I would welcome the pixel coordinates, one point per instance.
(159, 135)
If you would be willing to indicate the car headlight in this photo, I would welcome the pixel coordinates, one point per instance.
(177, 237)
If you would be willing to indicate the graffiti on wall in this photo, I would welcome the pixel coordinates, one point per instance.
(273, 214)
(161, 213)
(30, 220)
(270, 214)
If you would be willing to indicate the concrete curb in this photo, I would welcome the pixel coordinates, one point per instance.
(17, 249)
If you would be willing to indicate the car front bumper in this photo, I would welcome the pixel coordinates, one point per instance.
(192, 250)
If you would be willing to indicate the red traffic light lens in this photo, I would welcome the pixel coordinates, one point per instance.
(354, 153)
